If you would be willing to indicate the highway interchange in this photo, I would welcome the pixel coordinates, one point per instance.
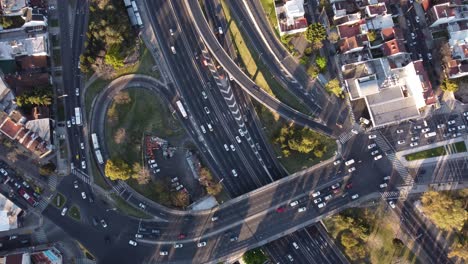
(259, 211)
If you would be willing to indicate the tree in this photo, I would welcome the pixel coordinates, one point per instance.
(47, 169)
(120, 135)
(214, 188)
(333, 86)
(113, 57)
(141, 173)
(254, 256)
(180, 199)
(333, 37)
(308, 51)
(397, 244)
(372, 35)
(317, 45)
(313, 71)
(304, 60)
(348, 240)
(321, 63)
(356, 252)
(445, 53)
(117, 169)
(8, 22)
(446, 212)
(315, 33)
(460, 250)
(206, 179)
(122, 98)
(448, 85)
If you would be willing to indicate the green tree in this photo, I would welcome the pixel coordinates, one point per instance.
(308, 51)
(180, 199)
(315, 33)
(313, 71)
(8, 22)
(372, 35)
(333, 37)
(122, 97)
(117, 169)
(321, 63)
(304, 60)
(333, 86)
(448, 85)
(356, 252)
(446, 212)
(114, 58)
(254, 256)
(47, 169)
(459, 249)
(348, 240)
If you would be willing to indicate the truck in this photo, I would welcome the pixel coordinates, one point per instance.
(181, 109)
(78, 116)
(95, 141)
(99, 157)
(430, 134)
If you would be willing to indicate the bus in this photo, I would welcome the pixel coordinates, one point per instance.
(95, 141)
(181, 109)
(99, 157)
(78, 116)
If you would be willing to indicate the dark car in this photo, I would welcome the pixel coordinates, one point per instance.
(182, 236)
(280, 209)
(95, 221)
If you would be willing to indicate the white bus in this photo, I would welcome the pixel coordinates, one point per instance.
(181, 109)
(99, 157)
(95, 141)
(78, 116)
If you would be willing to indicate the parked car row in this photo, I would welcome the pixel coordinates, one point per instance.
(22, 187)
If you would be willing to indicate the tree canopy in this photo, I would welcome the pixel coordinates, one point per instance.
(302, 140)
(447, 213)
(449, 86)
(333, 86)
(47, 169)
(117, 169)
(254, 256)
(37, 96)
(321, 63)
(315, 33)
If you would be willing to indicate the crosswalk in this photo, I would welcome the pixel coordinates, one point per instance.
(82, 176)
(39, 236)
(345, 136)
(43, 203)
(391, 194)
(52, 181)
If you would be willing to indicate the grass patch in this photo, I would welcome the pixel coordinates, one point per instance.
(127, 209)
(253, 66)
(74, 212)
(54, 22)
(375, 230)
(93, 90)
(272, 124)
(157, 191)
(97, 176)
(59, 200)
(146, 113)
(57, 57)
(436, 152)
(269, 8)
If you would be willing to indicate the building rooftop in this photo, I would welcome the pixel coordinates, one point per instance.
(12, 7)
(347, 31)
(380, 22)
(31, 62)
(32, 46)
(9, 212)
(378, 9)
(393, 47)
(355, 42)
(10, 128)
(41, 127)
(392, 33)
(290, 17)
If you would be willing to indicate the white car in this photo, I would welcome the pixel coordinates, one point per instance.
(302, 209)
(83, 195)
(180, 187)
(220, 30)
(328, 197)
(315, 194)
(133, 243)
(203, 129)
(68, 123)
(75, 184)
(417, 19)
(440, 125)
(73, 120)
(425, 130)
(295, 245)
(372, 136)
(83, 164)
(400, 142)
(241, 132)
(383, 185)
(465, 113)
(378, 157)
(294, 203)
(354, 131)
(335, 186)
(417, 127)
(232, 147)
(451, 122)
(142, 206)
(204, 95)
(413, 36)
(429, 56)
(64, 211)
(392, 204)
(226, 147)
(413, 144)
(318, 200)
(173, 50)
(371, 146)
(201, 244)
(321, 205)
(386, 178)
(234, 173)
(375, 152)
(214, 218)
(399, 131)
(290, 258)
(82, 145)
(171, 32)
(355, 196)
(452, 129)
(336, 162)
(207, 110)
(210, 127)
(163, 253)
(461, 127)
(351, 169)
(178, 245)
(77, 91)
(238, 139)
(138, 236)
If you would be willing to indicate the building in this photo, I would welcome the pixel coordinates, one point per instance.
(30, 46)
(12, 7)
(9, 213)
(391, 95)
(458, 42)
(446, 13)
(290, 16)
(46, 256)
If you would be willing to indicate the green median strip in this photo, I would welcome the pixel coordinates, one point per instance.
(436, 152)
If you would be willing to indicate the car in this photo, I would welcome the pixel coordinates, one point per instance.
(220, 30)
(203, 129)
(354, 131)
(280, 209)
(13, 237)
(351, 169)
(214, 218)
(321, 205)
(451, 129)
(201, 244)
(64, 211)
(315, 194)
(336, 162)
(175, 179)
(413, 144)
(295, 245)
(378, 157)
(234, 173)
(354, 196)
(349, 185)
(417, 19)
(171, 32)
(181, 236)
(103, 223)
(290, 258)
(238, 139)
(465, 113)
(425, 130)
(226, 147)
(138, 236)
(302, 209)
(294, 203)
(178, 245)
(151, 161)
(420, 56)
(399, 131)
(83, 164)
(68, 123)
(349, 162)
(180, 187)
(400, 142)
(25, 184)
(133, 243)
(461, 127)
(163, 253)
(375, 152)
(451, 122)
(206, 110)
(417, 127)
(233, 238)
(318, 200)
(241, 132)
(232, 147)
(328, 197)
(77, 91)
(371, 146)
(383, 185)
(83, 195)
(372, 136)
(413, 36)
(82, 145)
(446, 135)
(204, 95)
(392, 204)
(75, 184)
(386, 178)
(440, 125)
(335, 186)
(173, 50)
(73, 120)
(429, 56)
(210, 127)
(4, 172)
(142, 206)
(153, 166)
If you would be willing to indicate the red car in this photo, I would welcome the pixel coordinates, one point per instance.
(182, 236)
(280, 209)
(349, 185)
